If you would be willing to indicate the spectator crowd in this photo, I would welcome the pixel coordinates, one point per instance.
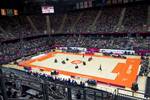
(22, 48)
(124, 43)
(14, 50)
(104, 20)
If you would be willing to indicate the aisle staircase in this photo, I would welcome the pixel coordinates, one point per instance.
(32, 24)
(119, 27)
(3, 31)
(77, 20)
(62, 24)
(92, 27)
(48, 24)
(148, 19)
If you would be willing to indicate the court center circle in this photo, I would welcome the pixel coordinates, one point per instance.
(76, 62)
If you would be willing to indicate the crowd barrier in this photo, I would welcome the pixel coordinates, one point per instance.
(97, 50)
(113, 51)
(142, 52)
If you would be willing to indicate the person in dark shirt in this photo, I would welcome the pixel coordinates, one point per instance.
(9, 93)
(100, 68)
(14, 95)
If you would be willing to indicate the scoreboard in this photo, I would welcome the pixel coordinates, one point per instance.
(47, 9)
(9, 12)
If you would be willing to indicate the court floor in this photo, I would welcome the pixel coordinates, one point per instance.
(105, 69)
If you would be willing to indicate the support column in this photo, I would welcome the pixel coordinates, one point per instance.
(94, 95)
(69, 94)
(84, 94)
(45, 92)
(2, 85)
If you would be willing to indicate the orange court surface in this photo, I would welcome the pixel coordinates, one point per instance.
(114, 71)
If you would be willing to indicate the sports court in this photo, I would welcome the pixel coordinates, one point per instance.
(114, 71)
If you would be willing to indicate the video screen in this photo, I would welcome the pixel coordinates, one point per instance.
(47, 9)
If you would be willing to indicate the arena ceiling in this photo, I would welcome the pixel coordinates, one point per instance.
(18, 2)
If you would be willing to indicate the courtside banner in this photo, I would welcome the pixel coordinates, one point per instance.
(79, 48)
(117, 51)
(73, 48)
(93, 50)
(62, 48)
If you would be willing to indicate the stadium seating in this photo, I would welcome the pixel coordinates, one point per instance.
(97, 42)
(108, 20)
(24, 36)
(15, 50)
(10, 51)
(134, 20)
(145, 69)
